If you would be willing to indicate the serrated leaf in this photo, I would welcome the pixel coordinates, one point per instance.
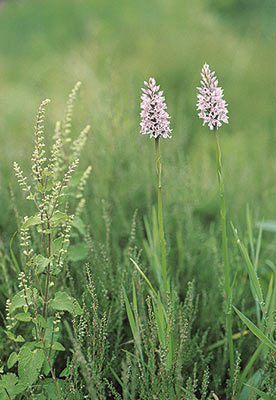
(19, 339)
(255, 330)
(79, 225)
(34, 220)
(41, 320)
(29, 364)
(11, 336)
(12, 360)
(57, 243)
(64, 302)
(19, 301)
(58, 346)
(25, 317)
(11, 383)
(39, 345)
(41, 263)
(78, 252)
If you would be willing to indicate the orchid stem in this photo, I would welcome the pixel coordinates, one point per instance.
(228, 293)
(160, 217)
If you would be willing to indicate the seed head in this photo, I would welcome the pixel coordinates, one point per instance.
(154, 117)
(212, 107)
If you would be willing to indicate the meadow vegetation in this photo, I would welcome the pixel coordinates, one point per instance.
(86, 309)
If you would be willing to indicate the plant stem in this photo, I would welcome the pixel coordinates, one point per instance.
(228, 293)
(160, 217)
(46, 296)
(45, 350)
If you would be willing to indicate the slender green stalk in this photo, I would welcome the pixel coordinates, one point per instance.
(47, 285)
(160, 217)
(225, 258)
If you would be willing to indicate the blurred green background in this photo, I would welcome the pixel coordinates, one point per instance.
(112, 47)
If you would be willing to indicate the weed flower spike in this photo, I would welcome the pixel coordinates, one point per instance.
(212, 107)
(154, 117)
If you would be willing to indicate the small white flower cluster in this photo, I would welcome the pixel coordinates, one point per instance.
(212, 107)
(154, 117)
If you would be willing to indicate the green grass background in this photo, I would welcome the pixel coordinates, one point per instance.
(112, 47)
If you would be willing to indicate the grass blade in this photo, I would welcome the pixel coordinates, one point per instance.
(250, 363)
(144, 276)
(133, 326)
(250, 269)
(255, 330)
(264, 395)
(259, 241)
(250, 231)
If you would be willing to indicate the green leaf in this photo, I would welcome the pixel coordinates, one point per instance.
(144, 276)
(13, 255)
(78, 252)
(41, 263)
(11, 383)
(57, 243)
(64, 302)
(133, 326)
(19, 339)
(46, 231)
(255, 330)
(264, 395)
(25, 317)
(13, 358)
(39, 188)
(41, 321)
(79, 225)
(161, 322)
(58, 346)
(19, 300)
(11, 336)
(250, 363)
(131, 320)
(65, 372)
(49, 184)
(59, 217)
(48, 386)
(29, 364)
(250, 269)
(34, 220)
